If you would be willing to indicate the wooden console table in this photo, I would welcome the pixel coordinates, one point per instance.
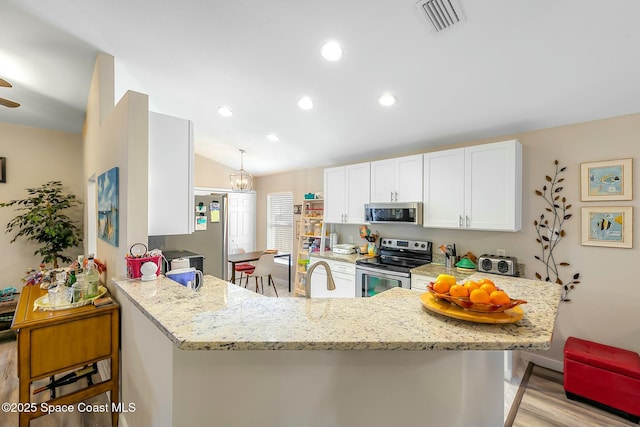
(53, 342)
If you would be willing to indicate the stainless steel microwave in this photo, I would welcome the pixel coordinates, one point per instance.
(393, 213)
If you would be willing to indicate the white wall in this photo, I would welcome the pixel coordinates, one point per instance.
(34, 157)
(118, 136)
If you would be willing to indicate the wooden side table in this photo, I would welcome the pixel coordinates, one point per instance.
(53, 342)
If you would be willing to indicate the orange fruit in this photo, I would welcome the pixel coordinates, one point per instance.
(483, 281)
(479, 296)
(441, 287)
(458, 291)
(471, 285)
(488, 287)
(499, 298)
(446, 278)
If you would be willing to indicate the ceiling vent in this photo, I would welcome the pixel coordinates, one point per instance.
(440, 14)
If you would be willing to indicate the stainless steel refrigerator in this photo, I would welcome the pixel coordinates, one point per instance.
(209, 238)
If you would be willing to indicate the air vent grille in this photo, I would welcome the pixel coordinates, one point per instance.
(440, 14)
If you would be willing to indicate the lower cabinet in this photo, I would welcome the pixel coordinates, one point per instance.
(420, 282)
(344, 276)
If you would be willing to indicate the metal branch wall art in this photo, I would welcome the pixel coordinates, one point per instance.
(550, 232)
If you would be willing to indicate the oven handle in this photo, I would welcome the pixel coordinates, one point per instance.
(381, 273)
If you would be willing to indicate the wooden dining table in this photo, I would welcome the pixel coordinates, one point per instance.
(254, 256)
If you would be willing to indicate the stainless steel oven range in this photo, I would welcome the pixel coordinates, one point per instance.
(391, 268)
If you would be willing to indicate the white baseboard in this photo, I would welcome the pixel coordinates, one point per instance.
(545, 362)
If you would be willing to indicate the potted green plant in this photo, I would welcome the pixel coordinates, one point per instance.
(43, 221)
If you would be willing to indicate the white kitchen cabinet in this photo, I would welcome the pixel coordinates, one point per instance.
(475, 188)
(171, 156)
(344, 276)
(397, 180)
(420, 283)
(346, 191)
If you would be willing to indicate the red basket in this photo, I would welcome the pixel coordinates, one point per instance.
(134, 264)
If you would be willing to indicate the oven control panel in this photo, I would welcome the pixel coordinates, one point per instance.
(414, 245)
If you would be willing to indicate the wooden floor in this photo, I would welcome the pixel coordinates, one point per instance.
(544, 404)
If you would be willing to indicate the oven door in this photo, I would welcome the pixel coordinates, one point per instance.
(371, 281)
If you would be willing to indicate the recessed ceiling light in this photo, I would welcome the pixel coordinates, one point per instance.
(305, 103)
(387, 99)
(331, 51)
(225, 111)
(273, 137)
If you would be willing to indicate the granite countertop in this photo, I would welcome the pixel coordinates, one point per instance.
(351, 258)
(433, 270)
(223, 316)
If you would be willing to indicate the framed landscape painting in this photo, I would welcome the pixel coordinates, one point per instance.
(108, 206)
(606, 180)
(610, 226)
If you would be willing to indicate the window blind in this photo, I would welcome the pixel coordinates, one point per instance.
(280, 221)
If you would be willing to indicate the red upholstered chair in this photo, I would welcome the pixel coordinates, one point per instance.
(603, 375)
(244, 268)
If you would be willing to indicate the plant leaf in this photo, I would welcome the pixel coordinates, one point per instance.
(548, 178)
(539, 193)
(538, 276)
(576, 276)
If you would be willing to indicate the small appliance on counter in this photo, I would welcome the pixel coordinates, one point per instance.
(194, 260)
(344, 248)
(497, 264)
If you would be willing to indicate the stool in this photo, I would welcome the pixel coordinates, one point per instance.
(603, 375)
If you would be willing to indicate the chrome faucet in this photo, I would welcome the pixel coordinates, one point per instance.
(331, 285)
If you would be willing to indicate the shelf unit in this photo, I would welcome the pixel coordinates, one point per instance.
(310, 240)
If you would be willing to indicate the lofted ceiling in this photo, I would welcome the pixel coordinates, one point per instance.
(509, 66)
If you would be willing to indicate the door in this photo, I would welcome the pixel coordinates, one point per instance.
(409, 179)
(242, 221)
(444, 189)
(334, 195)
(357, 179)
(383, 181)
(493, 184)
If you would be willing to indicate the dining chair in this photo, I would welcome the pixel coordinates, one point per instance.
(264, 267)
(243, 268)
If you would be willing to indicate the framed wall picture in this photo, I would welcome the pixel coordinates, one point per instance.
(606, 180)
(610, 226)
(3, 169)
(108, 206)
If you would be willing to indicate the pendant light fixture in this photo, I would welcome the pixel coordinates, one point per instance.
(241, 180)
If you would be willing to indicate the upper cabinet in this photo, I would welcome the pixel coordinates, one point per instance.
(397, 180)
(346, 191)
(171, 197)
(476, 188)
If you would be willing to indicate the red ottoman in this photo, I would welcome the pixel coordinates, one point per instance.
(603, 375)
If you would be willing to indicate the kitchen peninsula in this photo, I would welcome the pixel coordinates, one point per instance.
(349, 368)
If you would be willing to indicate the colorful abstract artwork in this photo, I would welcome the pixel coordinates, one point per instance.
(108, 206)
